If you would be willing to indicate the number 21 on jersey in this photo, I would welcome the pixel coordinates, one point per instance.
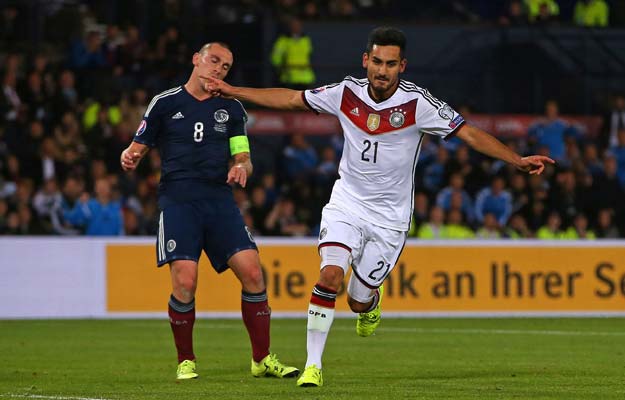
(365, 153)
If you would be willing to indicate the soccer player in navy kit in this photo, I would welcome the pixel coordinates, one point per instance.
(204, 148)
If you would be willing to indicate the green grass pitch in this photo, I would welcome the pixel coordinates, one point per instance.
(517, 358)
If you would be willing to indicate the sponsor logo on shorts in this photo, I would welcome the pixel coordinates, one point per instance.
(171, 245)
(142, 127)
(221, 116)
(323, 233)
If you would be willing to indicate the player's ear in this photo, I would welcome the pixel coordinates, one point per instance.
(365, 59)
(196, 59)
(402, 65)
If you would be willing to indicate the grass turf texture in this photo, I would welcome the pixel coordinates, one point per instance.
(406, 359)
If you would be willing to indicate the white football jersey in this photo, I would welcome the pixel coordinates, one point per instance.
(382, 143)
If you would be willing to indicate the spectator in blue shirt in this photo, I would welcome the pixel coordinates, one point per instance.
(551, 132)
(619, 155)
(300, 157)
(495, 200)
(100, 216)
(456, 185)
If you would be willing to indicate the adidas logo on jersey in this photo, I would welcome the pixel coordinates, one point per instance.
(178, 115)
(355, 111)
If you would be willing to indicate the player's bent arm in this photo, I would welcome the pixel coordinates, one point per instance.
(488, 144)
(131, 156)
(243, 160)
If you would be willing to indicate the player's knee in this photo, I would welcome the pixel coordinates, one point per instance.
(254, 276)
(331, 276)
(357, 306)
(185, 285)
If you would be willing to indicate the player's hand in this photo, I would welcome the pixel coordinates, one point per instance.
(535, 165)
(129, 161)
(237, 174)
(216, 87)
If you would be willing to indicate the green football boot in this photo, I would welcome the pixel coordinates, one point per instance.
(369, 321)
(186, 370)
(311, 377)
(270, 366)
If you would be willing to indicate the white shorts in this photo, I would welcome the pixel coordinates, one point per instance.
(374, 249)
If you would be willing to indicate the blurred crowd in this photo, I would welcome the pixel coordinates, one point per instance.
(66, 117)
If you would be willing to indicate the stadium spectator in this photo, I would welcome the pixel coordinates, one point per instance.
(291, 57)
(73, 189)
(514, 15)
(619, 155)
(300, 158)
(542, 11)
(551, 132)
(613, 121)
(606, 229)
(591, 160)
(591, 13)
(564, 197)
(434, 174)
(579, 229)
(456, 227)
(608, 187)
(490, 228)
(282, 220)
(519, 191)
(10, 103)
(552, 229)
(88, 54)
(495, 200)
(45, 202)
(4, 212)
(435, 227)
(328, 168)
(259, 209)
(205, 218)
(99, 216)
(420, 213)
(517, 228)
(456, 185)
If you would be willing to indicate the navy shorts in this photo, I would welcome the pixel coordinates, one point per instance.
(215, 226)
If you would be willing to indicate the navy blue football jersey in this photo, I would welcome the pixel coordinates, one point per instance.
(192, 137)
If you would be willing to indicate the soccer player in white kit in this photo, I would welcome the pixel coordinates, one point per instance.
(365, 223)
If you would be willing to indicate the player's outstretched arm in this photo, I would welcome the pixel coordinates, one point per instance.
(280, 98)
(489, 145)
(131, 156)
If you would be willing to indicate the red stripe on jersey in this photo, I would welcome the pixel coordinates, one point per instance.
(377, 122)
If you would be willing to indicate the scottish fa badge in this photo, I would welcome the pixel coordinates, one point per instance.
(373, 122)
(221, 116)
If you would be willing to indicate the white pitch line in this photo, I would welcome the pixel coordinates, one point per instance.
(427, 330)
(39, 396)
(502, 331)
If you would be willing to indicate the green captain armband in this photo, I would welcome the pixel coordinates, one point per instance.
(239, 144)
